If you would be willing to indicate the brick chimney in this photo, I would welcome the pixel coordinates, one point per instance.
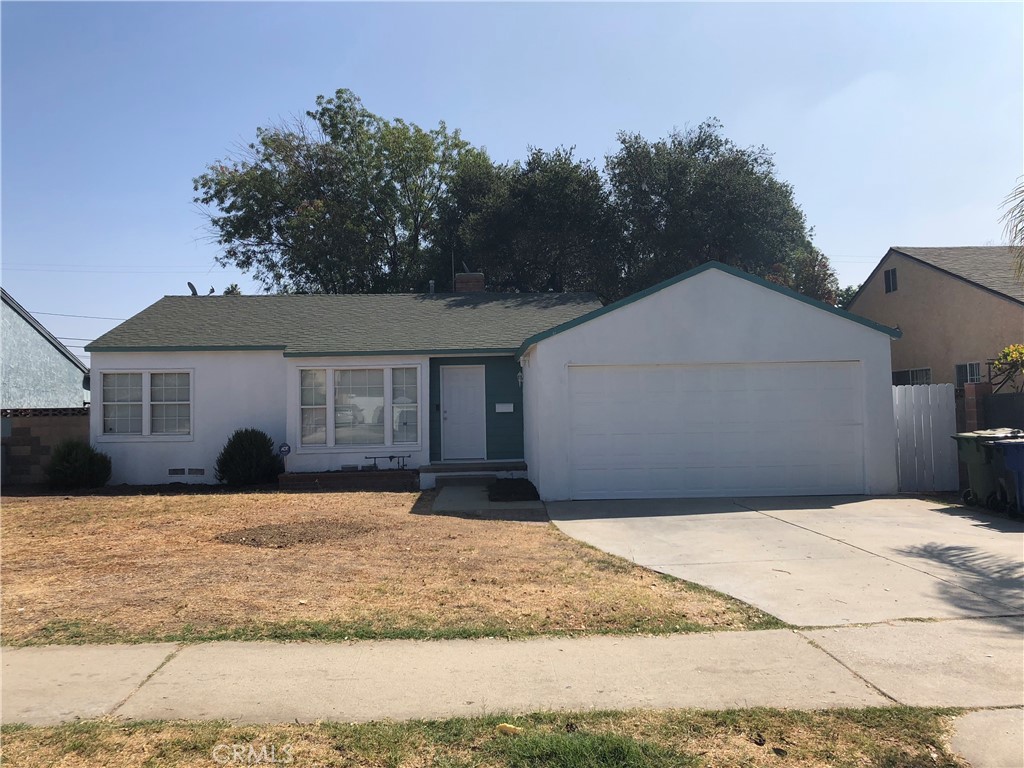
(469, 282)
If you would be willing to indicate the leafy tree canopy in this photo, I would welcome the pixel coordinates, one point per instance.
(845, 296)
(343, 201)
(340, 201)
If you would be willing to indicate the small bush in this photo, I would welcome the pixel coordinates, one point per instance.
(248, 458)
(76, 464)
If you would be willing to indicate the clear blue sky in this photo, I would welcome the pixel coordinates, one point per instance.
(895, 123)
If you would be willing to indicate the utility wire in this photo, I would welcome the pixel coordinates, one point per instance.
(86, 317)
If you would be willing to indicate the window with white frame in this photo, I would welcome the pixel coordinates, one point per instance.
(170, 404)
(313, 385)
(122, 403)
(404, 405)
(363, 407)
(144, 403)
(968, 373)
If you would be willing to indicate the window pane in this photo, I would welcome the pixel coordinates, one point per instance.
(122, 419)
(404, 423)
(122, 403)
(314, 387)
(122, 387)
(314, 426)
(168, 388)
(170, 419)
(359, 406)
(403, 385)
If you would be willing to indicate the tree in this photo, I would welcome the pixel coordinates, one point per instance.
(807, 271)
(339, 201)
(1013, 226)
(694, 197)
(1008, 368)
(845, 296)
(233, 290)
(544, 224)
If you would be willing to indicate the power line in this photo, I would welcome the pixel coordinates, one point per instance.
(86, 317)
(109, 266)
(104, 271)
(73, 338)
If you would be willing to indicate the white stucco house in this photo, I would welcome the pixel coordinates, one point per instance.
(713, 383)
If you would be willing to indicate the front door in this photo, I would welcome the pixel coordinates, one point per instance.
(463, 412)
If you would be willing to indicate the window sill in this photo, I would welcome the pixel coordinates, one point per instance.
(358, 449)
(144, 438)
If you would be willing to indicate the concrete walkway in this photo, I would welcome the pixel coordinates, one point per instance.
(922, 664)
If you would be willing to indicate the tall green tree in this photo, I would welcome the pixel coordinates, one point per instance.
(339, 201)
(544, 224)
(695, 197)
(845, 296)
(808, 271)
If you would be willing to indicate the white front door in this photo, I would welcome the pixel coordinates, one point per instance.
(463, 412)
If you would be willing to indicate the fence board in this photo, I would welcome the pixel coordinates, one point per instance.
(925, 418)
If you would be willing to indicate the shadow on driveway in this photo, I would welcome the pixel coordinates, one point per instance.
(972, 569)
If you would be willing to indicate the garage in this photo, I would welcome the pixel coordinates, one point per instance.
(715, 430)
(713, 383)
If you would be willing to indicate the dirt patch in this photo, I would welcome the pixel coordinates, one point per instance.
(293, 534)
(320, 566)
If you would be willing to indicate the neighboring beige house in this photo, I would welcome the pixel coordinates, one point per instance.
(958, 308)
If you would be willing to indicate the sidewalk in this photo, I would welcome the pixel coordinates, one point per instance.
(968, 663)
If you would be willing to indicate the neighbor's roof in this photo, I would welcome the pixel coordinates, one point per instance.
(990, 266)
(353, 324)
(28, 318)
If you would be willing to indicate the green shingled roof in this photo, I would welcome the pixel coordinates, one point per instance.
(310, 325)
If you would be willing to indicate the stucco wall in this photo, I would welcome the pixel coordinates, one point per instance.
(33, 373)
(712, 317)
(945, 321)
(231, 390)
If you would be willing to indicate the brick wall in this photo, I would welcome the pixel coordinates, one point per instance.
(28, 435)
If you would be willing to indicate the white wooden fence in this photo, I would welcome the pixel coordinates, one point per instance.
(925, 454)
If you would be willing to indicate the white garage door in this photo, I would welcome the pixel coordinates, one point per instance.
(716, 430)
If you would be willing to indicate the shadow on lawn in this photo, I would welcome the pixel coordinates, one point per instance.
(425, 506)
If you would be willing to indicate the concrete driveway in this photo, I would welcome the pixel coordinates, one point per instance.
(820, 561)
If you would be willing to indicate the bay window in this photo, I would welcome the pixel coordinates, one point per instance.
(364, 407)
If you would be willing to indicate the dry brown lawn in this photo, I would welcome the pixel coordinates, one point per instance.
(318, 565)
(885, 738)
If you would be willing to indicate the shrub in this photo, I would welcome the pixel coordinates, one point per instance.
(248, 458)
(76, 464)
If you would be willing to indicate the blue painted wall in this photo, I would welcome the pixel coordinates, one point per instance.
(504, 430)
(33, 374)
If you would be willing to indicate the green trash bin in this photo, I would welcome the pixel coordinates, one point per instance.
(984, 468)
